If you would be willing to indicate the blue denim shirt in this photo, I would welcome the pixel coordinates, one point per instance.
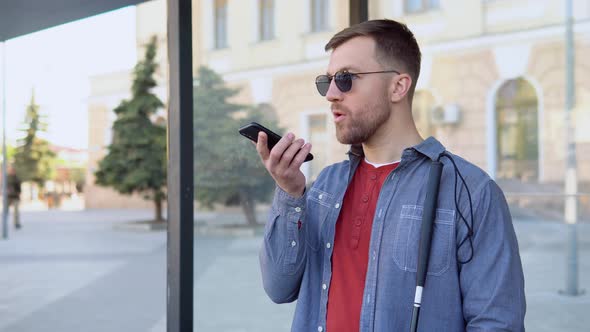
(486, 294)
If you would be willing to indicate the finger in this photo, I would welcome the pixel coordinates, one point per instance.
(262, 147)
(300, 156)
(277, 151)
(291, 151)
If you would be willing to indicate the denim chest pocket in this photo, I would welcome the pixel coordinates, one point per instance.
(407, 239)
(318, 207)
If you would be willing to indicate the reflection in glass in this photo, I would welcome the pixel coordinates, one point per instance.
(462, 60)
(228, 172)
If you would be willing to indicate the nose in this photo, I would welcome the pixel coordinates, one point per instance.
(334, 94)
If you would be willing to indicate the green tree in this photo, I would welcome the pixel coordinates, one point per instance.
(227, 168)
(136, 158)
(33, 158)
(10, 151)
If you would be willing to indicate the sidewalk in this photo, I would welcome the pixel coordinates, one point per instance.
(73, 271)
(543, 252)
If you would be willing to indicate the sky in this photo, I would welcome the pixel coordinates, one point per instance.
(57, 64)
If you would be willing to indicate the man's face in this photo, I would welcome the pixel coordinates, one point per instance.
(360, 112)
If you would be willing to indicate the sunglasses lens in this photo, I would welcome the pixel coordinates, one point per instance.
(322, 83)
(343, 81)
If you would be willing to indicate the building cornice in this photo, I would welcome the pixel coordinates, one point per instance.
(487, 41)
(546, 33)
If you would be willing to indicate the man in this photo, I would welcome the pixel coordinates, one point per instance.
(13, 187)
(346, 248)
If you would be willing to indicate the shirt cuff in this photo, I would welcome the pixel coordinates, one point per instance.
(285, 203)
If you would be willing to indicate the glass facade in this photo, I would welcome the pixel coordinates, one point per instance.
(492, 89)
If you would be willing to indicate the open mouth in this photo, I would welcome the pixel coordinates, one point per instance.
(338, 115)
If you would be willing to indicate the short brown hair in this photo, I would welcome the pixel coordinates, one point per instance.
(395, 43)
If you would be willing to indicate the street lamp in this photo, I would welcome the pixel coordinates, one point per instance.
(571, 178)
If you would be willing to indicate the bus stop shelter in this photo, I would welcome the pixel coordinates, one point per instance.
(22, 17)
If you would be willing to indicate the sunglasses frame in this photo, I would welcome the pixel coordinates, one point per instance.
(338, 77)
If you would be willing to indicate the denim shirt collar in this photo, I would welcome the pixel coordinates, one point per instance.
(429, 147)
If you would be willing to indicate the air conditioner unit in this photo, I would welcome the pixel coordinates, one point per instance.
(446, 114)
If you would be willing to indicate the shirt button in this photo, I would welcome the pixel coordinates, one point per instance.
(324, 287)
(293, 244)
(373, 177)
(298, 209)
(328, 245)
(320, 329)
(337, 205)
(365, 198)
(321, 196)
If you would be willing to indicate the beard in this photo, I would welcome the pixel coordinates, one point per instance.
(359, 126)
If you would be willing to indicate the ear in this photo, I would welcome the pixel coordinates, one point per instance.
(399, 87)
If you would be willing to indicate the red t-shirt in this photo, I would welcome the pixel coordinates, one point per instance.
(351, 247)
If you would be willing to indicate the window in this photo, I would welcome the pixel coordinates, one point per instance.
(220, 17)
(416, 6)
(267, 23)
(517, 132)
(319, 15)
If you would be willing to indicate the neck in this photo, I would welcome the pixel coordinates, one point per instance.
(392, 137)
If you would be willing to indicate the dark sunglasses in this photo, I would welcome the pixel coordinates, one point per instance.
(343, 80)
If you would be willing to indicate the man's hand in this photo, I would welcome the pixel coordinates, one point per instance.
(284, 160)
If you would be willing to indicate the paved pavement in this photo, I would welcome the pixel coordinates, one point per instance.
(75, 271)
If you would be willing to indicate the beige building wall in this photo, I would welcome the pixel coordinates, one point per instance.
(151, 21)
(293, 42)
(470, 48)
(280, 71)
(471, 74)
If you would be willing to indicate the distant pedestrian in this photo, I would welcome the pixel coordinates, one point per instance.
(13, 187)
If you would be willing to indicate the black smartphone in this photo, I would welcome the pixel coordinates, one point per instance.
(252, 129)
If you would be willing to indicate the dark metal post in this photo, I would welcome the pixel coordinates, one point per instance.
(359, 11)
(180, 168)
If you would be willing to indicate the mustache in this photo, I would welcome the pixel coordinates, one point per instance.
(338, 108)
